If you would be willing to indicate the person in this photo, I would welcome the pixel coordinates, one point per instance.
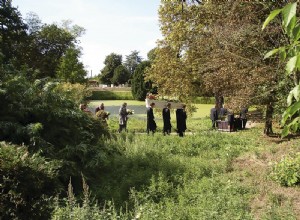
(231, 120)
(243, 116)
(214, 116)
(99, 107)
(181, 120)
(123, 117)
(84, 108)
(102, 115)
(223, 111)
(151, 124)
(167, 119)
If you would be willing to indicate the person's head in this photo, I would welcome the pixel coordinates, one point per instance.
(101, 106)
(168, 105)
(124, 104)
(183, 106)
(152, 104)
(82, 106)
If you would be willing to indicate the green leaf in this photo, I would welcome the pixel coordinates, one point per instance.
(296, 33)
(288, 12)
(291, 64)
(285, 131)
(271, 53)
(290, 111)
(282, 53)
(290, 27)
(272, 15)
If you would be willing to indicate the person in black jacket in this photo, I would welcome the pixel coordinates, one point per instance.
(181, 120)
(214, 116)
(167, 119)
(243, 116)
(151, 124)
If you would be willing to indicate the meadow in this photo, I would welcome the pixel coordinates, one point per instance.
(205, 175)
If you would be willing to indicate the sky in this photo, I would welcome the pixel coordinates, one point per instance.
(112, 26)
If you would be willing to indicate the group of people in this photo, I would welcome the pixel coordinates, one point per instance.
(220, 113)
(181, 117)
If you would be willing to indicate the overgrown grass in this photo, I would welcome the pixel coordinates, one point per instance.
(195, 177)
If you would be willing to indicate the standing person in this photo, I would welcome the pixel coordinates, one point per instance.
(214, 116)
(167, 119)
(223, 111)
(243, 116)
(123, 117)
(181, 120)
(102, 115)
(231, 120)
(151, 124)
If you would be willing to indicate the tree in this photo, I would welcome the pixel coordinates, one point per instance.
(121, 75)
(206, 49)
(70, 68)
(112, 61)
(12, 32)
(139, 86)
(291, 52)
(132, 60)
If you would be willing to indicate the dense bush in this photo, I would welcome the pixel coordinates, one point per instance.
(111, 95)
(287, 171)
(28, 183)
(204, 100)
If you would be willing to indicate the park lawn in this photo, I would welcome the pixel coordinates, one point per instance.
(202, 110)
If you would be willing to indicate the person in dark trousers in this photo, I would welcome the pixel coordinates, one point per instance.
(167, 119)
(214, 116)
(243, 116)
(123, 117)
(151, 124)
(181, 120)
(230, 119)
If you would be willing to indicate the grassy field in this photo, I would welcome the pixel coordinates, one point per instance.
(207, 175)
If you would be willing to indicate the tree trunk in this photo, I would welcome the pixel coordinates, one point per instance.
(268, 130)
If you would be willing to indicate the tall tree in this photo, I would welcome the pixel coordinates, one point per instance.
(70, 68)
(12, 31)
(121, 75)
(112, 61)
(139, 86)
(132, 60)
(217, 47)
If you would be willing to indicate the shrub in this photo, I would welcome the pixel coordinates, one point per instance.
(287, 171)
(111, 95)
(27, 183)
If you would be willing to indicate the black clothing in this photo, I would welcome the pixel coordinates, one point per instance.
(214, 116)
(151, 125)
(231, 120)
(167, 120)
(181, 121)
(223, 112)
(243, 117)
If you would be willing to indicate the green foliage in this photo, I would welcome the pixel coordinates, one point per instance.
(111, 95)
(70, 68)
(132, 61)
(291, 53)
(139, 86)
(287, 171)
(204, 100)
(121, 75)
(27, 184)
(111, 62)
(71, 208)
